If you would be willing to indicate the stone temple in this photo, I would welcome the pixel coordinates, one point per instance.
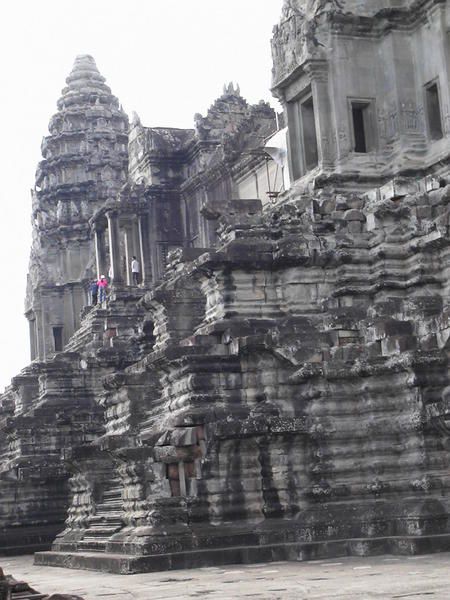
(278, 384)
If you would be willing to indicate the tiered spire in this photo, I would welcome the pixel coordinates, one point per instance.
(83, 81)
(88, 135)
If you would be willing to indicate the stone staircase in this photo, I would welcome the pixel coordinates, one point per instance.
(90, 333)
(107, 520)
(108, 325)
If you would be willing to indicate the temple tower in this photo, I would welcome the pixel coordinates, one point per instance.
(85, 160)
(364, 86)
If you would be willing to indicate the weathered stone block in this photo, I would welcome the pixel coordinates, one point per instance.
(354, 215)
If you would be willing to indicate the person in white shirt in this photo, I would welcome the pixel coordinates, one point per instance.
(135, 270)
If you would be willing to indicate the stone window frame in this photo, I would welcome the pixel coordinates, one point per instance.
(370, 123)
(426, 87)
(299, 168)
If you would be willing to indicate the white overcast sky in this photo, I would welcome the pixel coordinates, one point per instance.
(165, 59)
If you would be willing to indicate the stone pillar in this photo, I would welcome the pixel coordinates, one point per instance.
(100, 252)
(144, 246)
(132, 246)
(129, 251)
(41, 332)
(318, 72)
(445, 89)
(114, 246)
(410, 104)
(33, 335)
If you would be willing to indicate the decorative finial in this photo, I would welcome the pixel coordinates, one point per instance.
(230, 90)
(135, 119)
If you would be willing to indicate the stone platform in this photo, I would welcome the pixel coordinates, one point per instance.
(242, 554)
(382, 578)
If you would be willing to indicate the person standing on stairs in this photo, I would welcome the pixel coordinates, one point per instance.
(102, 285)
(93, 288)
(135, 270)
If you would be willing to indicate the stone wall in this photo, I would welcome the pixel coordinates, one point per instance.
(294, 403)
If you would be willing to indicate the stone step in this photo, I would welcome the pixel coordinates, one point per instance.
(106, 519)
(113, 521)
(115, 493)
(103, 511)
(106, 509)
(102, 529)
(112, 496)
(91, 324)
(110, 504)
(101, 534)
(93, 546)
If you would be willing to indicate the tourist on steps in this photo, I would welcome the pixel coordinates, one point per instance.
(93, 288)
(102, 285)
(135, 270)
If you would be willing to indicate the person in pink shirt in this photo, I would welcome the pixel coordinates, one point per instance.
(102, 285)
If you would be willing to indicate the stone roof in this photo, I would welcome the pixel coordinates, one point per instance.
(84, 80)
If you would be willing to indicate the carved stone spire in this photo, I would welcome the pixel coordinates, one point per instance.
(85, 161)
(88, 137)
(84, 78)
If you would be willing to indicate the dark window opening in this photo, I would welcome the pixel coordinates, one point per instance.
(303, 147)
(309, 134)
(434, 112)
(359, 129)
(58, 338)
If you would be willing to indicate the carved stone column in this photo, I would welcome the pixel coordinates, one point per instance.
(144, 245)
(100, 251)
(114, 246)
(128, 253)
(33, 334)
(318, 72)
(132, 245)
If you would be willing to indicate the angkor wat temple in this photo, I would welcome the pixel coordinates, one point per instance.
(277, 386)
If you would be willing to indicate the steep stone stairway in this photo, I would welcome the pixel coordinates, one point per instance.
(107, 520)
(90, 333)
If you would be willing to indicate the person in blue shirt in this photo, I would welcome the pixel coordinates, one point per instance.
(93, 288)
